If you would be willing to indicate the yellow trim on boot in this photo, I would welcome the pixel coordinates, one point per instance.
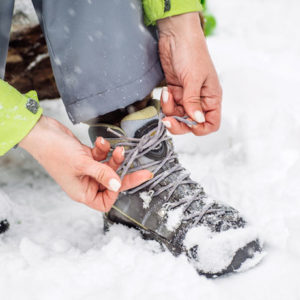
(129, 218)
(146, 113)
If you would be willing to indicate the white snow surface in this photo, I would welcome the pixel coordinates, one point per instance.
(174, 219)
(5, 206)
(56, 249)
(216, 251)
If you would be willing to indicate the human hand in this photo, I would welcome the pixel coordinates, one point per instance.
(76, 167)
(193, 86)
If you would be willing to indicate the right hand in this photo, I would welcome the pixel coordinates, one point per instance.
(193, 85)
(76, 167)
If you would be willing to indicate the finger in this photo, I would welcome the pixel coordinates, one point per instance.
(167, 101)
(103, 201)
(117, 158)
(100, 149)
(175, 127)
(177, 92)
(211, 92)
(211, 103)
(103, 174)
(135, 179)
(114, 162)
(212, 124)
(93, 198)
(192, 101)
(168, 105)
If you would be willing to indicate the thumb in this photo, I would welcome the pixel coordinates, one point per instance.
(192, 102)
(104, 175)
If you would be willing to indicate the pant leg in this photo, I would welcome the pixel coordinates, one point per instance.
(103, 56)
(6, 12)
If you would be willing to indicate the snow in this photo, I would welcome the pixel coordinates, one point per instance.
(215, 251)
(37, 60)
(26, 8)
(5, 206)
(174, 219)
(147, 198)
(56, 249)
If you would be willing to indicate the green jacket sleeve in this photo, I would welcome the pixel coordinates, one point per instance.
(18, 115)
(160, 9)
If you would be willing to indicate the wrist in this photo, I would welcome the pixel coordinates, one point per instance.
(181, 25)
(32, 140)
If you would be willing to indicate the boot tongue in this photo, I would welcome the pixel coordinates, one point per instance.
(133, 122)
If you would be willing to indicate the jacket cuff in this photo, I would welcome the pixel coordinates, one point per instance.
(18, 115)
(160, 9)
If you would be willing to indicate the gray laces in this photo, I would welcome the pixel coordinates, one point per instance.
(138, 147)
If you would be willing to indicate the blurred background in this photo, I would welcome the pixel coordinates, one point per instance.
(28, 64)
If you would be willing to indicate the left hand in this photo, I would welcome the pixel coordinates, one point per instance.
(193, 86)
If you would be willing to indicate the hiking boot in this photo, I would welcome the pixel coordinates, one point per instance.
(171, 208)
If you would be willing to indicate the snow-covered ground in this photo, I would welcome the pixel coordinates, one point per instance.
(56, 249)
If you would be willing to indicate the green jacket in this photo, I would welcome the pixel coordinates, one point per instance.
(160, 9)
(19, 113)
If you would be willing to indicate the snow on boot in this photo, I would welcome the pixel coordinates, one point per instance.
(5, 209)
(171, 208)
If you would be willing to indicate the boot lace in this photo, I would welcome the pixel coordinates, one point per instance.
(138, 147)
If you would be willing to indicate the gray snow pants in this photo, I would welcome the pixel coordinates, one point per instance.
(103, 56)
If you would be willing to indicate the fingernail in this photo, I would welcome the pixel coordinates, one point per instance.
(114, 185)
(152, 175)
(167, 124)
(102, 141)
(123, 151)
(156, 93)
(199, 116)
(165, 94)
